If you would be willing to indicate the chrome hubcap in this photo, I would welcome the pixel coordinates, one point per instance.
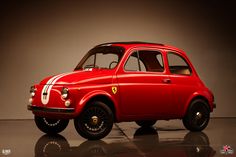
(198, 115)
(94, 120)
(199, 119)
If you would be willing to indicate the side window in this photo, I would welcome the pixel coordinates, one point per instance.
(145, 60)
(133, 63)
(152, 60)
(178, 65)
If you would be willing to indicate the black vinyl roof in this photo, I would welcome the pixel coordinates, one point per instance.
(131, 42)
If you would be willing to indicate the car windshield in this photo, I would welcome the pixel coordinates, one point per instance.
(102, 57)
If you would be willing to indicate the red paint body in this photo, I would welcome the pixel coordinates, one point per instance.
(140, 95)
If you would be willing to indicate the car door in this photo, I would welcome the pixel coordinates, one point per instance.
(144, 86)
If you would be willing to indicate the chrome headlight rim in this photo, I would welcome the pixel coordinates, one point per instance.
(64, 92)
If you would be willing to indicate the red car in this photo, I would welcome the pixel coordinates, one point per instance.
(123, 81)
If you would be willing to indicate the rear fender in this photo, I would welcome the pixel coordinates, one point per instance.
(199, 95)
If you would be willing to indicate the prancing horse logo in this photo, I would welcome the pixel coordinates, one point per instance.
(114, 90)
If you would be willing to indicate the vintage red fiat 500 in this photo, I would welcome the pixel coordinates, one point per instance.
(123, 81)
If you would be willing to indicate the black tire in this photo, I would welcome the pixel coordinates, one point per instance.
(95, 121)
(145, 123)
(197, 116)
(51, 126)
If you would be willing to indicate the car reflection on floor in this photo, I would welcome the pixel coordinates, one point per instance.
(145, 143)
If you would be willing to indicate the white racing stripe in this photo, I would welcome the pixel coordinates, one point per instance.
(48, 86)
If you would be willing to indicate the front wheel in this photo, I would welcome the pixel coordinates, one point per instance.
(145, 123)
(95, 121)
(197, 116)
(51, 126)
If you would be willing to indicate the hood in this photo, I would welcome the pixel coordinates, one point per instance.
(99, 76)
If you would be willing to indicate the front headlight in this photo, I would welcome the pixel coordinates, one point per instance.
(32, 91)
(64, 92)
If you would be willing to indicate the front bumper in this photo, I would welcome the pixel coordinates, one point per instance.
(51, 110)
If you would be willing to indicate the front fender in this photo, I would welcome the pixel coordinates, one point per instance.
(87, 97)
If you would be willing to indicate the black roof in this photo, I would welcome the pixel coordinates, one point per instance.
(131, 42)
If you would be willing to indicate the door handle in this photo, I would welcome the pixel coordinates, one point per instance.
(167, 80)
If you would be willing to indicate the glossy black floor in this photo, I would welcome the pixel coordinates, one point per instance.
(167, 138)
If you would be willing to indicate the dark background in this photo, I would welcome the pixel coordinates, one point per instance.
(39, 39)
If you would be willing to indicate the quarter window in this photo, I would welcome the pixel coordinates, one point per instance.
(178, 65)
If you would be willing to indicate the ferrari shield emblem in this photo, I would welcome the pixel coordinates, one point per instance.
(114, 90)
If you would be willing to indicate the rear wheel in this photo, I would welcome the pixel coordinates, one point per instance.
(145, 123)
(51, 126)
(197, 116)
(95, 121)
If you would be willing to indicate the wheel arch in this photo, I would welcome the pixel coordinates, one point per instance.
(195, 97)
(102, 96)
